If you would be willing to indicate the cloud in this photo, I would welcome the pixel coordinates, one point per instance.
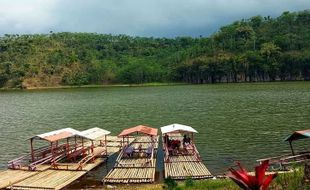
(159, 18)
(20, 16)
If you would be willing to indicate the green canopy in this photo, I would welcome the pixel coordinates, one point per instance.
(298, 135)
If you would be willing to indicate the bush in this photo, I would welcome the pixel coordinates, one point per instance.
(170, 183)
(189, 182)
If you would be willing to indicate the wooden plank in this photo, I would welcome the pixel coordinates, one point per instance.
(9, 177)
(55, 179)
(182, 167)
(50, 179)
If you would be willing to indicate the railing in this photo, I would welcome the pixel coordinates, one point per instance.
(19, 162)
(285, 160)
(120, 155)
(295, 159)
(196, 153)
(274, 159)
(33, 166)
(86, 159)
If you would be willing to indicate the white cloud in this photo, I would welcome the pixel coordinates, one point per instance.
(134, 17)
(26, 16)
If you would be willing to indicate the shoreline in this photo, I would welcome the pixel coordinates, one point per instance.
(95, 86)
(139, 85)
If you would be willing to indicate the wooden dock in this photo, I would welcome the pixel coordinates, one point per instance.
(136, 168)
(54, 178)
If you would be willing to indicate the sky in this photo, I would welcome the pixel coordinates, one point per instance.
(157, 18)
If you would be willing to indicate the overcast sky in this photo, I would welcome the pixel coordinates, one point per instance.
(158, 18)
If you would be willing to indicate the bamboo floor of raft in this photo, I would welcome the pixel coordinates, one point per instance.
(56, 178)
(134, 169)
(182, 167)
(9, 177)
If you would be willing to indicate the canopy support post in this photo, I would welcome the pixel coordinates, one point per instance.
(83, 145)
(32, 153)
(293, 153)
(193, 138)
(52, 150)
(105, 144)
(75, 145)
(67, 148)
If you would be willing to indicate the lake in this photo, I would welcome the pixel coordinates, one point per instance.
(241, 122)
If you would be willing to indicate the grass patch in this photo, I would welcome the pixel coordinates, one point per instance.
(284, 181)
(290, 181)
(217, 184)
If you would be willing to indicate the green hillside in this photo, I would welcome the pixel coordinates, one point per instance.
(254, 49)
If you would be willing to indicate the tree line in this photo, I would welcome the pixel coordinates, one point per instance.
(249, 50)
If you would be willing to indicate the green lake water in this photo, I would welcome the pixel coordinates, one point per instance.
(241, 122)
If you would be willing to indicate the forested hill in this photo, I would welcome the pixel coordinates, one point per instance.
(254, 49)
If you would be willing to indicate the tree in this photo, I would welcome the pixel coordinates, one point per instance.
(270, 52)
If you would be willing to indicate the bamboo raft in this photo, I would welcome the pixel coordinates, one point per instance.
(136, 168)
(9, 177)
(182, 167)
(48, 177)
(182, 161)
(54, 179)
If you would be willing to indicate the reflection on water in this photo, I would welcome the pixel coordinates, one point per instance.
(235, 121)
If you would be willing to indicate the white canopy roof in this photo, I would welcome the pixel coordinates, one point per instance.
(57, 134)
(177, 128)
(94, 133)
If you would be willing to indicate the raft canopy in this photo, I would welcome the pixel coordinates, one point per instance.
(139, 129)
(57, 135)
(177, 128)
(297, 135)
(93, 133)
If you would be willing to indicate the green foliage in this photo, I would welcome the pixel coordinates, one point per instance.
(170, 184)
(291, 181)
(189, 182)
(249, 50)
(288, 181)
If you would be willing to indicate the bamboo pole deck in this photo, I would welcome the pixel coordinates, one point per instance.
(47, 177)
(134, 169)
(182, 166)
(56, 178)
(9, 177)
